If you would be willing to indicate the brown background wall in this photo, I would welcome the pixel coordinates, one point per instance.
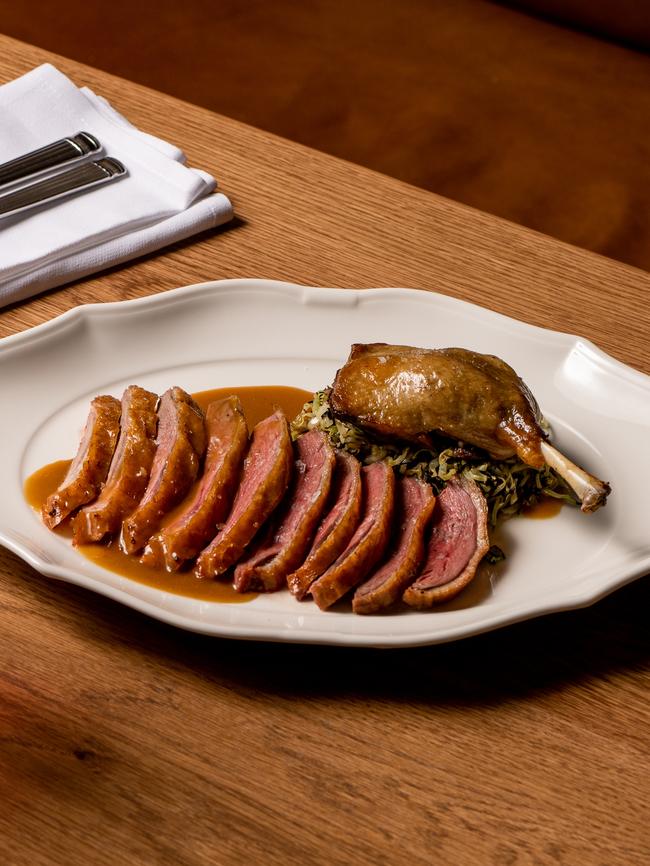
(484, 103)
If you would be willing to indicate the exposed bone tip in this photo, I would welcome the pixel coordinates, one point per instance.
(592, 493)
(595, 497)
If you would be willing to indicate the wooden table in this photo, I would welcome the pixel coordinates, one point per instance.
(124, 741)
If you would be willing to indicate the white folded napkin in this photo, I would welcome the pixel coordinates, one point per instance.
(159, 202)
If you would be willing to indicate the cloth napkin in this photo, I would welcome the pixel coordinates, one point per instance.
(159, 202)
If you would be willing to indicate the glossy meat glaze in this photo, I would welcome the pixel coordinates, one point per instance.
(266, 512)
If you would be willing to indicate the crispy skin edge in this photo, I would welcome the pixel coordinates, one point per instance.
(423, 599)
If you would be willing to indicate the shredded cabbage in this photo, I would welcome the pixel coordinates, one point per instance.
(509, 486)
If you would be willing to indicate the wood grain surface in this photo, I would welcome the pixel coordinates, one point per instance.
(124, 741)
(501, 110)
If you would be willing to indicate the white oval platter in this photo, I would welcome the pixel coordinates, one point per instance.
(257, 332)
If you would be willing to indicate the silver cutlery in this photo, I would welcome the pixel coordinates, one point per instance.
(80, 178)
(54, 155)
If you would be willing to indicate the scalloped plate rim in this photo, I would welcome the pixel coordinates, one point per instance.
(572, 599)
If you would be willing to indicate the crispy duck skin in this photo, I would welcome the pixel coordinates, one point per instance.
(90, 466)
(129, 472)
(409, 393)
(336, 527)
(367, 545)
(263, 483)
(196, 525)
(284, 544)
(414, 506)
(457, 543)
(180, 445)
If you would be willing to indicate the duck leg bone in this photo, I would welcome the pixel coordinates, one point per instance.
(591, 491)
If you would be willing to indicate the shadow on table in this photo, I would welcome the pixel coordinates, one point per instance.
(543, 654)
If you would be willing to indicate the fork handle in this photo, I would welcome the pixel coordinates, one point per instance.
(62, 152)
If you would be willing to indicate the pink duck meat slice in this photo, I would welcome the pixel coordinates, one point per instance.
(89, 469)
(458, 542)
(180, 449)
(264, 481)
(415, 503)
(129, 472)
(286, 541)
(337, 526)
(196, 525)
(367, 545)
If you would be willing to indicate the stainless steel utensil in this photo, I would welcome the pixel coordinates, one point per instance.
(59, 153)
(77, 179)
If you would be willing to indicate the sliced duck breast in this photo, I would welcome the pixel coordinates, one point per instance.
(337, 526)
(180, 447)
(196, 525)
(289, 534)
(263, 483)
(88, 470)
(414, 506)
(367, 545)
(458, 542)
(129, 472)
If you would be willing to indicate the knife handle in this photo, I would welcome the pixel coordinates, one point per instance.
(62, 152)
(77, 179)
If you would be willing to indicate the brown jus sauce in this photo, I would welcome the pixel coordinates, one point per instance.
(257, 402)
(547, 507)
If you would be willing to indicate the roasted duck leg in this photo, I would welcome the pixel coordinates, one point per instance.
(478, 399)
